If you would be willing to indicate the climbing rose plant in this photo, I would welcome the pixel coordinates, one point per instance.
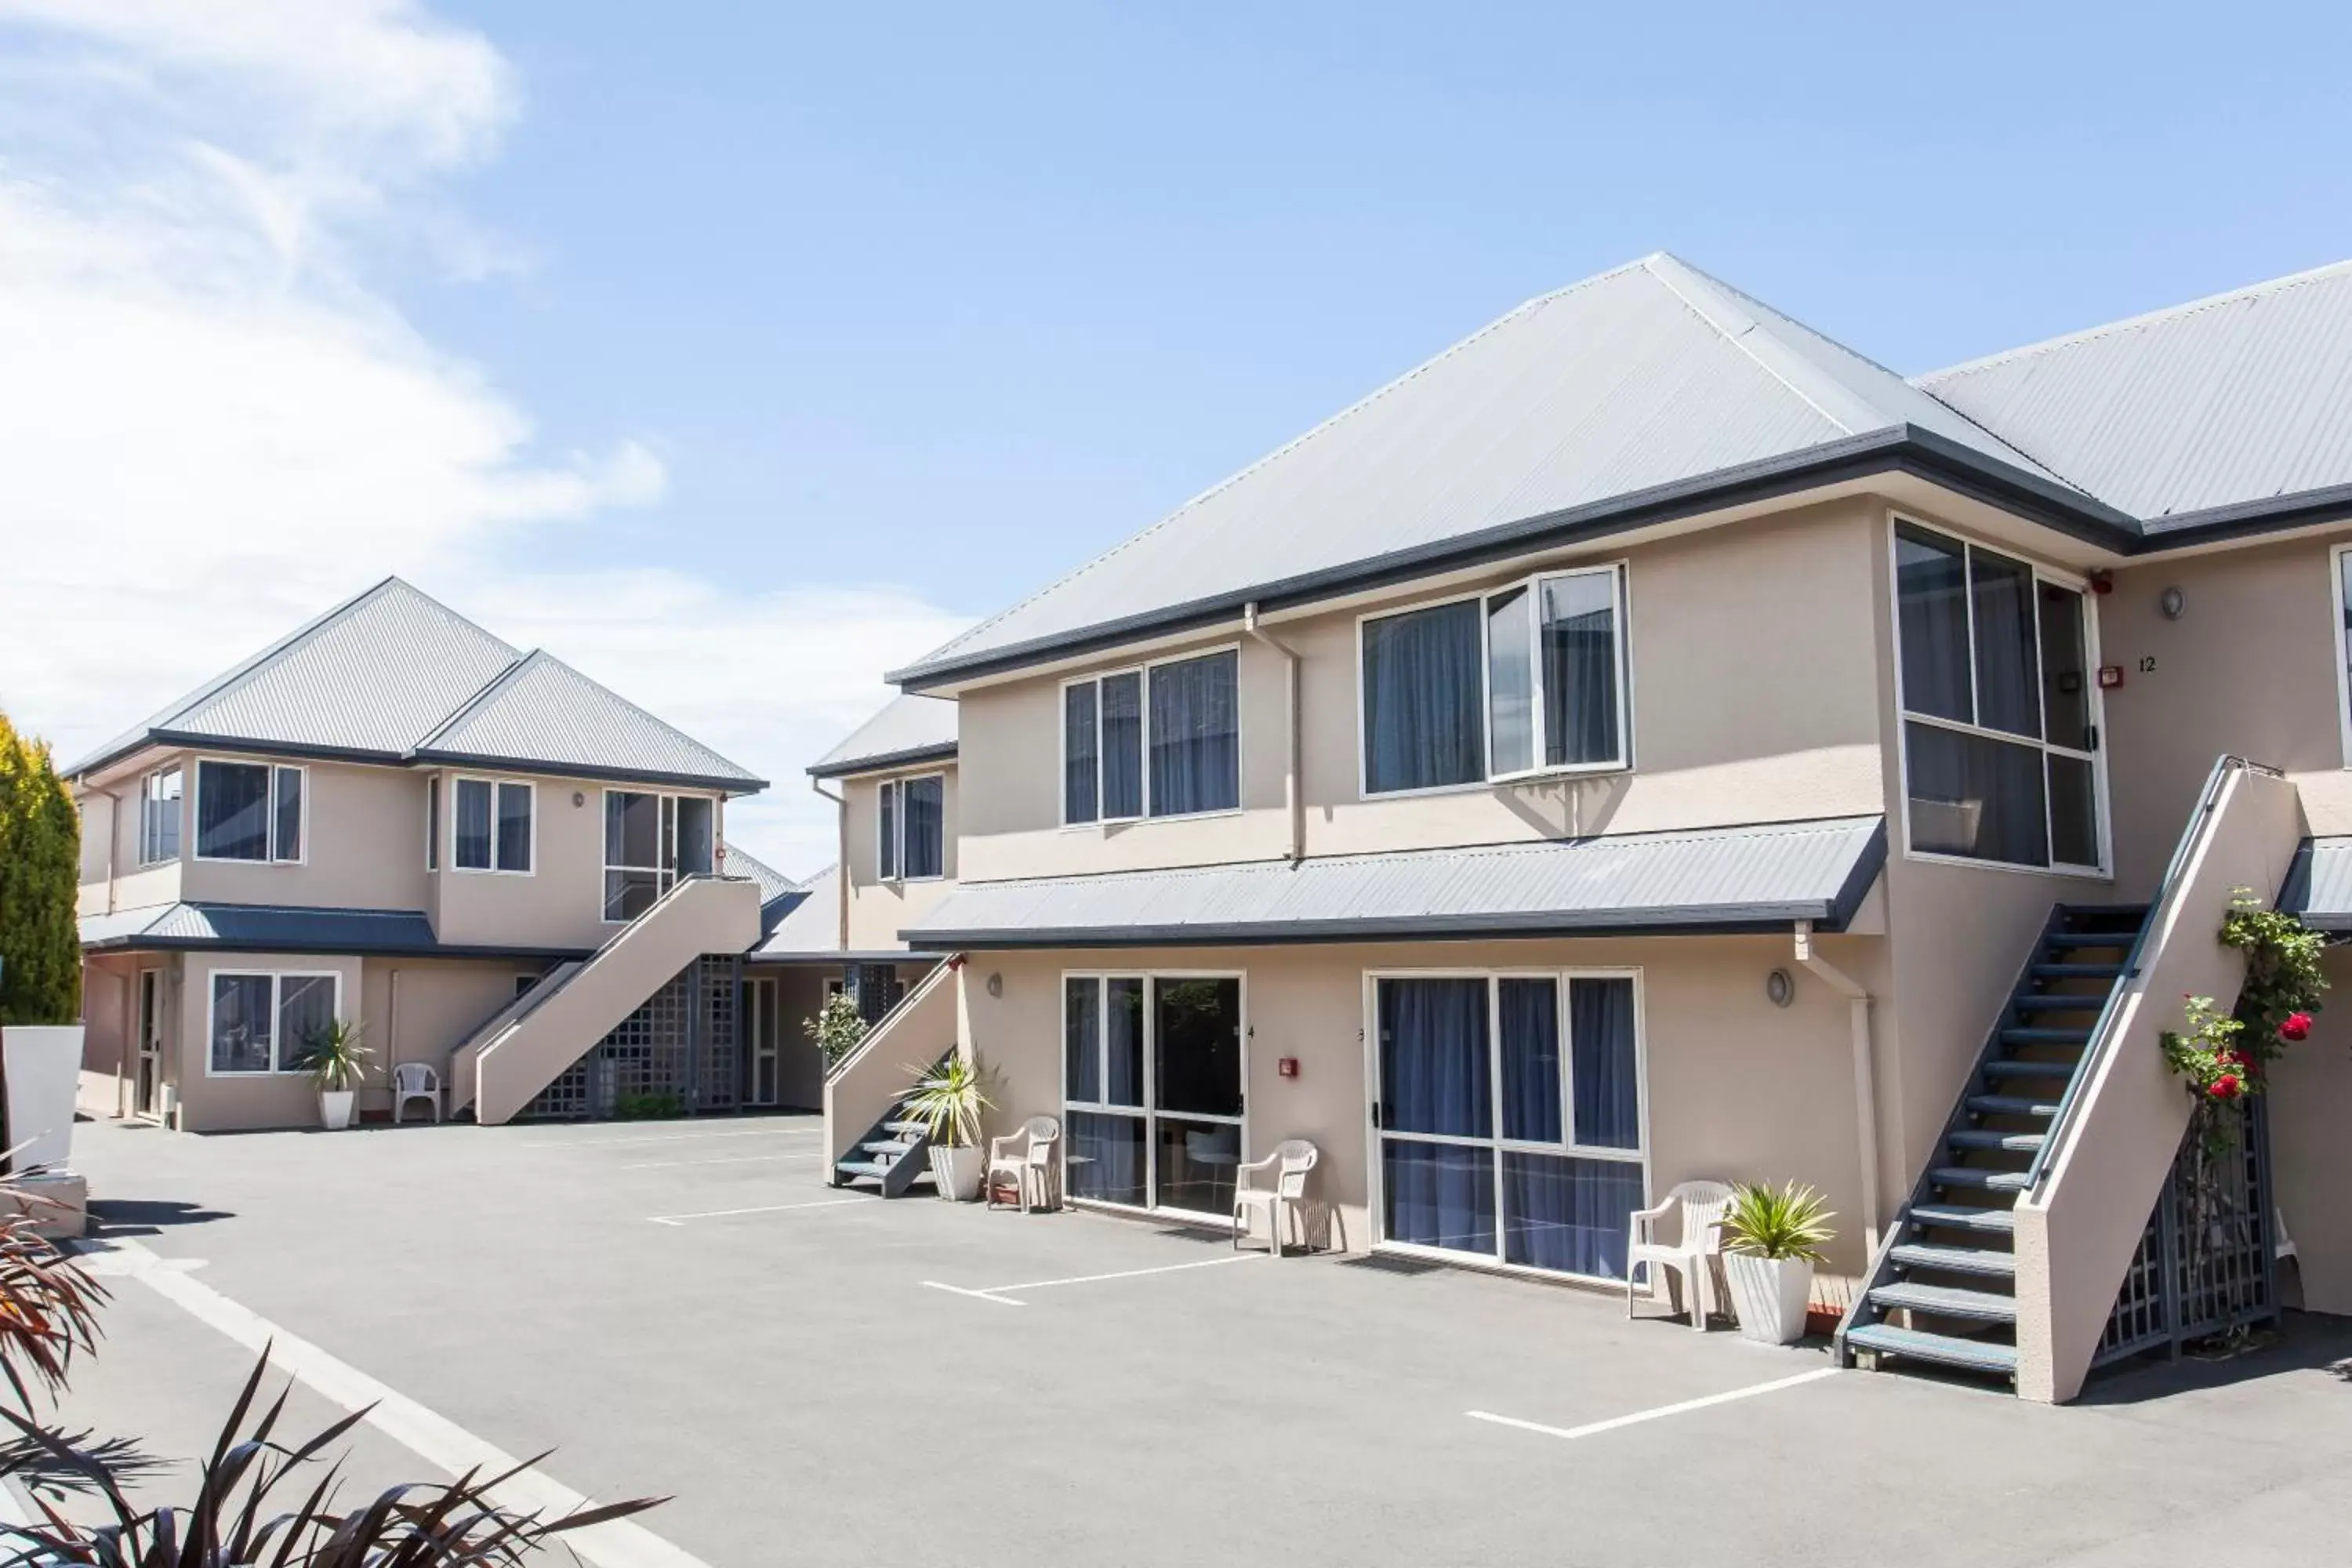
(2224, 1055)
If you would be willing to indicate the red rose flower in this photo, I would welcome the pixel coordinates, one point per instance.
(2226, 1087)
(2296, 1027)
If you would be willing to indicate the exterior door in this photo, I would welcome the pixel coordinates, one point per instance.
(1153, 1077)
(760, 1032)
(147, 1092)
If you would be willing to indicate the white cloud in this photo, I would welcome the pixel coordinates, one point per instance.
(212, 425)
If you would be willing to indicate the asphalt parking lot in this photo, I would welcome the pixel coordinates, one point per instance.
(815, 1377)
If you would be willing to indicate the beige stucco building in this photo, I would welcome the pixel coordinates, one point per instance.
(1650, 743)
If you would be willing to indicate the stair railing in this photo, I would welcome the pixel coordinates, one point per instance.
(2107, 1031)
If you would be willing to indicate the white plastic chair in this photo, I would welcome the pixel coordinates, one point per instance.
(1292, 1159)
(415, 1080)
(1026, 1156)
(1694, 1249)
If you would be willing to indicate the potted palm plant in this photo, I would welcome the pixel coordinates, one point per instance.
(1771, 1240)
(336, 1060)
(948, 1099)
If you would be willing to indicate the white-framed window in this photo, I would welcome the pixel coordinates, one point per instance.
(1509, 1114)
(1162, 739)
(910, 829)
(2340, 572)
(492, 824)
(1997, 678)
(650, 841)
(261, 1022)
(1524, 681)
(1154, 1069)
(433, 822)
(249, 811)
(159, 816)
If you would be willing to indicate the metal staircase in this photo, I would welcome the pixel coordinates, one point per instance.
(891, 1158)
(1945, 1267)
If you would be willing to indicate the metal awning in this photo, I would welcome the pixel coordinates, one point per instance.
(1758, 876)
(272, 928)
(2319, 884)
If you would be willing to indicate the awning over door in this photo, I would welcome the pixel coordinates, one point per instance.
(1751, 878)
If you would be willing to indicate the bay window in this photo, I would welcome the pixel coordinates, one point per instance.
(159, 816)
(911, 828)
(1164, 741)
(1998, 695)
(492, 825)
(249, 811)
(1528, 679)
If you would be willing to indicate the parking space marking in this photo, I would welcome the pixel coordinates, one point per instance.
(671, 1138)
(437, 1439)
(1662, 1412)
(997, 1293)
(721, 1160)
(763, 1208)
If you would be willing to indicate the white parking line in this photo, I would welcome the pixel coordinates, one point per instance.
(763, 1208)
(672, 1138)
(619, 1543)
(1662, 1411)
(998, 1293)
(722, 1160)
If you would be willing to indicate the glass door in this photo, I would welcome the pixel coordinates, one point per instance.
(148, 1091)
(760, 1033)
(1508, 1119)
(1152, 1075)
(2069, 688)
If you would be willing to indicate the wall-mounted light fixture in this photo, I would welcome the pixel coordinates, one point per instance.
(1779, 988)
(2172, 601)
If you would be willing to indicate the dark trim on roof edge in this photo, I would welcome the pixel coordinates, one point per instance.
(869, 955)
(1905, 448)
(945, 752)
(247, 745)
(744, 785)
(144, 944)
(2240, 520)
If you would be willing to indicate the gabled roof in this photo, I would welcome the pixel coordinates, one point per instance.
(1643, 378)
(1757, 877)
(543, 715)
(394, 676)
(2243, 397)
(779, 894)
(913, 729)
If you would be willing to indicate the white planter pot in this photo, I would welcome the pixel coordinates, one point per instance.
(43, 1064)
(956, 1172)
(1769, 1295)
(335, 1109)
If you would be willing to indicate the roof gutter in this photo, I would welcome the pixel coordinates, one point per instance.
(943, 752)
(1865, 1081)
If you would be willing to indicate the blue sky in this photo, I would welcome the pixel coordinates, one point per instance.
(737, 352)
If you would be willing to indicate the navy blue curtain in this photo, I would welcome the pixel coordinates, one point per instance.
(1932, 610)
(1439, 1194)
(1580, 654)
(1122, 745)
(924, 801)
(1082, 1041)
(1123, 1036)
(232, 811)
(1425, 713)
(1434, 1058)
(1195, 736)
(1079, 756)
(1606, 1072)
(1568, 1215)
(1530, 1010)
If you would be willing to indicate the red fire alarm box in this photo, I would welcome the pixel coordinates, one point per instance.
(1287, 1067)
(2110, 677)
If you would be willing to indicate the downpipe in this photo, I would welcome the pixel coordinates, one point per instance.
(1866, 1086)
(1294, 803)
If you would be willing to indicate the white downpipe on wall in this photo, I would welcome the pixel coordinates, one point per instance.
(1293, 803)
(1866, 1077)
(840, 861)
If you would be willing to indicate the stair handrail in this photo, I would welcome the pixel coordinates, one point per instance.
(2105, 1032)
(940, 973)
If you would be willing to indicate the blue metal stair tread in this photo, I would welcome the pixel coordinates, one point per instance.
(2081, 939)
(878, 1169)
(1962, 1216)
(1977, 1176)
(1945, 1302)
(2086, 1002)
(906, 1127)
(887, 1146)
(1955, 1259)
(1888, 1340)
(2037, 1035)
(2012, 1105)
(2010, 1067)
(1991, 1138)
(2078, 972)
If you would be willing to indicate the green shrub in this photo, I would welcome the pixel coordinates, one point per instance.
(40, 873)
(647, 1107)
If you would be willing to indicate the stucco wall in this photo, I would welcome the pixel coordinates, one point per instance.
(880, 909)
(422, 1010)
(1753, 697)
(220, 1104)
(2310, 1160)
(364, 847)
(1736, 1086)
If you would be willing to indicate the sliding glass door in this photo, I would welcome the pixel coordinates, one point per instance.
(1152, 1074)
(1509, 1117)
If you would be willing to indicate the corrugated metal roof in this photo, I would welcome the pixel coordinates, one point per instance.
(544, 714)
(1714, 879)
(2242, 397)
(779, 894)
(259, 928)
(2319, 884)
(810, 925)
(1645, 376)
(911, 728)
(385, 675)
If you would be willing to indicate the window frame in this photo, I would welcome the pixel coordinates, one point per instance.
(180, 809)
(1143, 672)
(1148, 1111)
(2336, 561)
(894, 789)
(273, 768)
(1531, 584)
(2042, 573)
(495, 782)
(433, 822)
(277, 978)
(1566, 1148)
(665, 877)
